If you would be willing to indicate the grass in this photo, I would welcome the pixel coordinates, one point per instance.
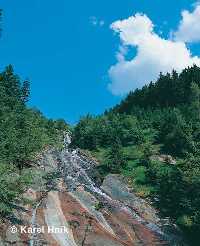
(100, 154)
(134, 171)
(132, 152)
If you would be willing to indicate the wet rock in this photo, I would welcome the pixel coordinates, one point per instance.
(109, 215)
(117, 189)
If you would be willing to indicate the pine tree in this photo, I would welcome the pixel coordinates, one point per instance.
(194, 100)
(115, 159)
(25, 91)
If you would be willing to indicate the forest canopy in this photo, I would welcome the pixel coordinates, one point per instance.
(24, 132)
(153, 138)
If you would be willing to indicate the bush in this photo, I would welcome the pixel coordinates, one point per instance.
(12, 187)
(140, 175)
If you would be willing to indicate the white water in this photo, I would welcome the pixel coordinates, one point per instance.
(76, 174)
(76, 170)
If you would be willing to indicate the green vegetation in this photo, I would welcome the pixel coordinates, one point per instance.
(24, 132)
(12, 186)
(153, 138)
(98, 205)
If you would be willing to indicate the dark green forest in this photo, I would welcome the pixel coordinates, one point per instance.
(24, 132)
(153, 138)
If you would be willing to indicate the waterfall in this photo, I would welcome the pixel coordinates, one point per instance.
(67, 139)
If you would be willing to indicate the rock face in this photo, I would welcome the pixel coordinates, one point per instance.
(164, 158)
(73, 211)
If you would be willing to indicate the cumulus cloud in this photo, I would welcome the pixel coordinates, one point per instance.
(154, 54)
(189, 26)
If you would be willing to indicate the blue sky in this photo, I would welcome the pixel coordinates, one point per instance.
(67, 48)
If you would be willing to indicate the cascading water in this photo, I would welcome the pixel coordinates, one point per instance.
(120, 218)
(76, 173)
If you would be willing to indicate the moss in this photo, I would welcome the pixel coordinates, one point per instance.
(185, 221)
(98, 205)
(144, 190)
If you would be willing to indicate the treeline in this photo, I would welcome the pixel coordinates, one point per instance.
(136, 137)
(169, 90)
(24, 132)
(94, 132)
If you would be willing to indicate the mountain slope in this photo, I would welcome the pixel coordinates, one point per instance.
(91, 215)
(153, 139)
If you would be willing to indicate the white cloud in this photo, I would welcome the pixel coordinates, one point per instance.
(189, 26)
(96, 22)
(153, 55)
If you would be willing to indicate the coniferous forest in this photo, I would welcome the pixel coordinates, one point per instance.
(24, 133)
(153, 138)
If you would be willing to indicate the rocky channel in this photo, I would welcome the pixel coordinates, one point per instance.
(72, 210)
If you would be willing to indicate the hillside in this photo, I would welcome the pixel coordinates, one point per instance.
(133, 173)
(66, 198)
(24, 133)
(170, 90)
(46, 185)
(153, 139)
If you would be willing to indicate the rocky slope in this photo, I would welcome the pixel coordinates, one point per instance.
(71, 210)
